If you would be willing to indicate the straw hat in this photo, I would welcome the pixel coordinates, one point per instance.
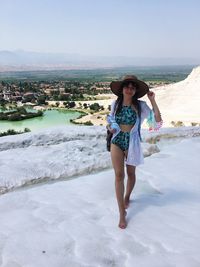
(142, 87)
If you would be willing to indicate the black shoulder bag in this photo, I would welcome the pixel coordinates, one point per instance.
(108, 140)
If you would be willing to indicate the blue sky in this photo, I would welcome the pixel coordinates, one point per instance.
(142, 28)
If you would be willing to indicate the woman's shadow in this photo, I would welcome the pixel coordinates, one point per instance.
(146, 196)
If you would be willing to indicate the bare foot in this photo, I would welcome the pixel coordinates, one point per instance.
(126, 202)
(122, 221)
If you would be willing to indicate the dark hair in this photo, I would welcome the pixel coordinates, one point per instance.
(135, 101)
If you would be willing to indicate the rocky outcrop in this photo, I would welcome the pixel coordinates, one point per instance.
(180, 101)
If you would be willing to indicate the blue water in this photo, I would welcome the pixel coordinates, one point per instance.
(54, 117)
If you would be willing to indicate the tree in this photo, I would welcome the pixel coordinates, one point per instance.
(21, 110)
(41, 100)
(26, 130)
(85, 105)
(95, 107)
(72, 104)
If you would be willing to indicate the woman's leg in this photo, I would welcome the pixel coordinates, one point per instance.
(117, 156)
(130, 183)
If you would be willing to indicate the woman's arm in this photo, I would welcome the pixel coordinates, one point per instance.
(110, 119)
(151, 96)
(112, 125)
(153, 116)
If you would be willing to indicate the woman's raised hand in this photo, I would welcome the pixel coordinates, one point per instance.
(151, 95)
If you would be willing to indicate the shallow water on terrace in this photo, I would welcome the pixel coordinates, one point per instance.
(55, 117)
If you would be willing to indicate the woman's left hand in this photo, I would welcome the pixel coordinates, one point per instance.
(151, 95)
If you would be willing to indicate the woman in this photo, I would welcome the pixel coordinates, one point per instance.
(124, 121)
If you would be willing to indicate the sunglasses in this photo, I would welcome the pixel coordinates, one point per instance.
(130, 85)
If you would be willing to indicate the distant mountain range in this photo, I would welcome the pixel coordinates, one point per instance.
(21, 60)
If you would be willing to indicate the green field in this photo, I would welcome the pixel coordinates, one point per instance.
(160, 74)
